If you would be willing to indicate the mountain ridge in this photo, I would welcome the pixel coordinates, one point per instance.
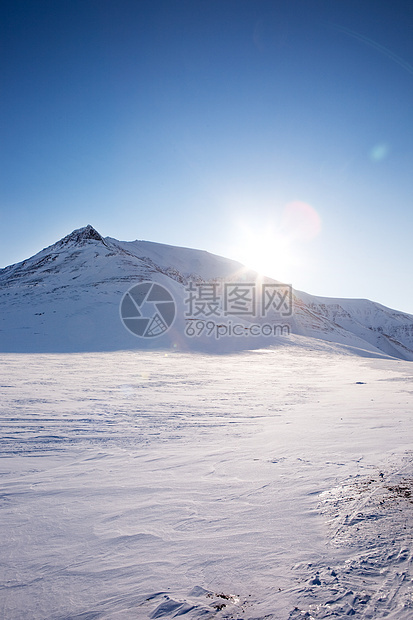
(67, 296)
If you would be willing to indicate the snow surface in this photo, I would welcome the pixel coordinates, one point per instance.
(274, 481)
(273, 484)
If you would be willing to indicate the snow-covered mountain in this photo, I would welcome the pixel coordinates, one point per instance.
(68, 296)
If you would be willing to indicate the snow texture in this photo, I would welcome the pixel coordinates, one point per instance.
(265, 484)
(159, 478)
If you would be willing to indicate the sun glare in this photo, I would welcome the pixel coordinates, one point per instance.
(277, 249)
(265, 251)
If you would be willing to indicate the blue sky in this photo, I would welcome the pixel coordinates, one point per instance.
(275, 132)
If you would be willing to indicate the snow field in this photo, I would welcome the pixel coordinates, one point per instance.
(149, 485)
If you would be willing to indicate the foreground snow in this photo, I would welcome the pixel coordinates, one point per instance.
(265, 484)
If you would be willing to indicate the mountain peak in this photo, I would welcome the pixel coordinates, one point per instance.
(82, 235)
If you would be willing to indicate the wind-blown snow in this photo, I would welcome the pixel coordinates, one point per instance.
(266, 484)
(274, 482)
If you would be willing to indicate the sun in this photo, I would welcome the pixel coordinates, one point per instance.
(278, 248)
(265, 251)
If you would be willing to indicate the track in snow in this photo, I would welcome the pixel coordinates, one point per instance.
(370, 521)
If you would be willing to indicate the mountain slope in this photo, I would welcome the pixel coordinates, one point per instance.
(67, 298)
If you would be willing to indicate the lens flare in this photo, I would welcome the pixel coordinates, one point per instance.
(379, 152)
(300, 221)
